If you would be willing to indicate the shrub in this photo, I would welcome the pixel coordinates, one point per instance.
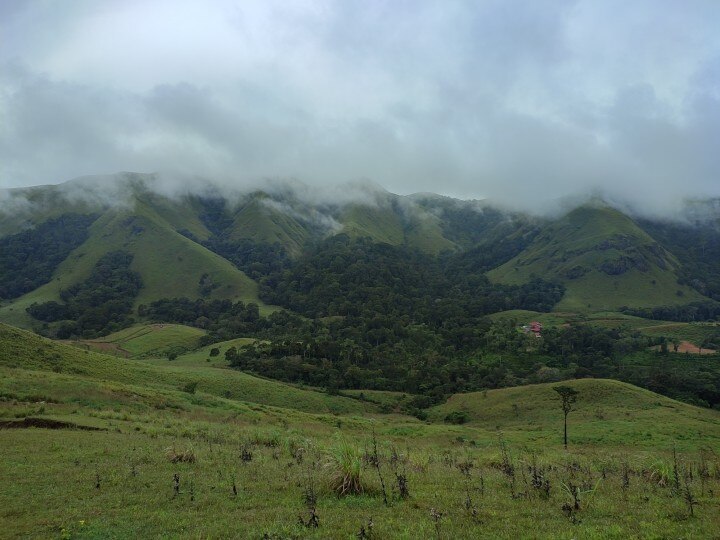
(190, 387)
(456, 417)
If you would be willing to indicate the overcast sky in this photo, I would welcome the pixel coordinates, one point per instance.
(513, 100)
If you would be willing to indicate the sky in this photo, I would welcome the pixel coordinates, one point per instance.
(517, 101)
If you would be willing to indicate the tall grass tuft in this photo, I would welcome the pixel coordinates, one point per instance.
(345, 467)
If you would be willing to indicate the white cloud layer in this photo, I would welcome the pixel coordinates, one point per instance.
(519, 101)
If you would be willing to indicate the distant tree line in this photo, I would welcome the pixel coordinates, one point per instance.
(694, 311)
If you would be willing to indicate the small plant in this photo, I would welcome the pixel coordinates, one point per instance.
(345, 470)
(366, 530)
(507, 466)
(401, 483)
(436, 517)
(625, 471)
(538, 479)
(310, 498)
(688, 495)
(376, 462)
(176, 485)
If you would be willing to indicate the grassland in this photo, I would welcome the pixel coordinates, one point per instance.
(173, 461)
(146, 340)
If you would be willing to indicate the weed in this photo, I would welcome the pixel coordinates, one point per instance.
(366, 530)
(376, 461)
(436, 517)
(688, 494)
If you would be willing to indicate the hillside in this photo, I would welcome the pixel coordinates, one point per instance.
(607, 412)
(169, 263)
(24, 355)
(130, 448)
(604, 260)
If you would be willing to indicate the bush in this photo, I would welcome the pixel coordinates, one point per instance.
(190, 387)
(456, 417)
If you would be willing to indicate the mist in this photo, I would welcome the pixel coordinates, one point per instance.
(522, 103)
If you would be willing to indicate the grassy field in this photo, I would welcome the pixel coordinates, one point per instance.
(177, 462)
(144, 340)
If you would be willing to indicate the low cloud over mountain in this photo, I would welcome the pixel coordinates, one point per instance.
(521, 102)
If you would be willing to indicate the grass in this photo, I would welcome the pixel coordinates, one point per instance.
(262, 223)
(202, 357)
(171, 463)
(146, 340)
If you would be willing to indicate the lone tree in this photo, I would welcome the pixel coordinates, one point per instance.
(568, 396)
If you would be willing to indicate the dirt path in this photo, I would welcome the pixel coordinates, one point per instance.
(687, 347)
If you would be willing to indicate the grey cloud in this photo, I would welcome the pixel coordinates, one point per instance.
(521, 102)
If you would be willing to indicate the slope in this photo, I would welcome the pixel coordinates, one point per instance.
(169, 264)
(263, 220)
(606, 412)
(32, 365)
(605, 261)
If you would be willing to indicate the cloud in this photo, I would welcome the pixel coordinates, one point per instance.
(521, 102)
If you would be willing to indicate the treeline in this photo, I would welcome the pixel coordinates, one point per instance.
(695, 311)
(29, 258)
(99, 305)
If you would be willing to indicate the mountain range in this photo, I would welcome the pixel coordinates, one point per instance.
(217, 244)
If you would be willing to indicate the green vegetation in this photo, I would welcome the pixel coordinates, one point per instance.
(169, 462)
(28, 258)
(604, 260)
(697, 247)
(147, 340)
(66, 365)
(99, 305)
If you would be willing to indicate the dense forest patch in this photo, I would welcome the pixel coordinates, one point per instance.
(98, 305)
(29, 258)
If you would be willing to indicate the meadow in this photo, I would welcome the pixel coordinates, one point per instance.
(169, 458)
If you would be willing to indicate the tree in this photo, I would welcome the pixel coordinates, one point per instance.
(568, 397)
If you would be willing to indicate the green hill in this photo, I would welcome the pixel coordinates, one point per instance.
(256, 219)
(68, 371)
(146, 340)
(389, 223)
(604, 260)
(607, 412)
(169, 263)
